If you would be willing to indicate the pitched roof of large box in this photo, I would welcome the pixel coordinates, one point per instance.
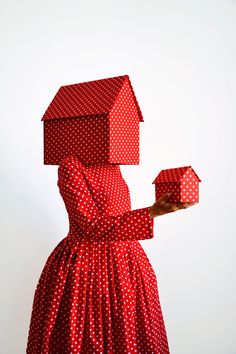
(95, 97)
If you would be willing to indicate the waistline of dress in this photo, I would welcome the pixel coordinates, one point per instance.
(74, 239)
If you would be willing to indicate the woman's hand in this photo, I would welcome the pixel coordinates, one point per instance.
(162, 206)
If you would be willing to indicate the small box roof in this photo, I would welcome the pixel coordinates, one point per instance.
(173, 174)
(89, 98)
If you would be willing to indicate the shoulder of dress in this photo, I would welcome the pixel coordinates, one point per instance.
(71, 162)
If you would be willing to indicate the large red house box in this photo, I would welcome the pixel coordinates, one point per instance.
(181, 182)
(96, 120)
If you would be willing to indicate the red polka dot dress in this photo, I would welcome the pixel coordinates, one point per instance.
(98, 292)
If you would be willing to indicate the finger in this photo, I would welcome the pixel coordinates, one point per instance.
(171, 207)
(178, 206)
(190, 204)
(175, 207)
(168, 207)
(164, 197)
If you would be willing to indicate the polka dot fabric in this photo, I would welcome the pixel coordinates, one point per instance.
(124, 130)
(182, 182)
(98, 292)
(87, 98)
(95, 120)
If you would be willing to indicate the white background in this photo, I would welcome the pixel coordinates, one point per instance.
(180, 56)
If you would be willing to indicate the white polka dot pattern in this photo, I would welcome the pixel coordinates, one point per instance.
(96, 120)
(98, 292)
(182, 182)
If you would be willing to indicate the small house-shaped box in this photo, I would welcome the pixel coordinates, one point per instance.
(96, 120)
(181, 182)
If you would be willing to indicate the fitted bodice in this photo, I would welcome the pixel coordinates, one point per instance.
(91, 191)
(108, 188)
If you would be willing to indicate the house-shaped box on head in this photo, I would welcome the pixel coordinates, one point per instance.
(98, 121)
(181, 182)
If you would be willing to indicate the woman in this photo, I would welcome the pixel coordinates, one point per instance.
(98, 291)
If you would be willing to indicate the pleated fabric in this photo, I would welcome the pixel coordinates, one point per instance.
(98, 292)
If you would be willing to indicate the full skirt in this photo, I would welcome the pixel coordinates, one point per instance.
(97, 297)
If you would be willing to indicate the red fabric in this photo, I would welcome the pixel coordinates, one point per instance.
(98, 292)
(181, 182)
(88, 98)
(96, 120)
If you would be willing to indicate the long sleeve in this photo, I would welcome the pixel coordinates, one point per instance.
(132, 225)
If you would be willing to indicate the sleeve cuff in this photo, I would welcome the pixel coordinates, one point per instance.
(146, 223)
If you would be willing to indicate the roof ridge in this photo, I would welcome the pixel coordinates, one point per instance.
(85, 82)
(181, 172)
